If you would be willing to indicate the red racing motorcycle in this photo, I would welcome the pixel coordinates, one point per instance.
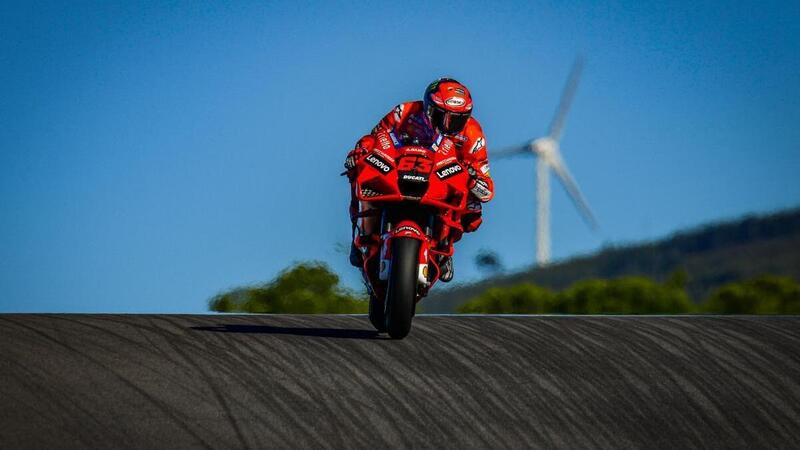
(418, 194)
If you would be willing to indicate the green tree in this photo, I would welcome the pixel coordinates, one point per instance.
(678, 279)
(306, 288)
(767, 294)
(626, 295)
(523, 298)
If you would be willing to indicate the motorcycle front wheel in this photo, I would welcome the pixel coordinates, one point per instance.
(402, 290)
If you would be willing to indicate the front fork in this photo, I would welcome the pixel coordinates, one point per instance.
(408, 229)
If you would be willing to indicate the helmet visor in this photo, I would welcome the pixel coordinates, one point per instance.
(447, 122)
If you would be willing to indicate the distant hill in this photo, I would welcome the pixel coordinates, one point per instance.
(711, 255)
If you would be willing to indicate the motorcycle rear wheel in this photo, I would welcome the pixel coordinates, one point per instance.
(377, 313)
(402, 290)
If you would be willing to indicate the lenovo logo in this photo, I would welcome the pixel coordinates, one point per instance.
(378, 163)
(449, 171)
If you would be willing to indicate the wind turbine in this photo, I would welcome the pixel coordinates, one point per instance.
(549, 158)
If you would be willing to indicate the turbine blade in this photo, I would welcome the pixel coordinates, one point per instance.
(508, 152)
(557, 125)
(569, 183)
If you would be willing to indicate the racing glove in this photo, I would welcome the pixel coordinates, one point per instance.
(363, 146)
(478, 186)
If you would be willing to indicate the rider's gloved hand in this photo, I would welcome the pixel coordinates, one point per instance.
(478, 186)
(363, 146)
(350, 161)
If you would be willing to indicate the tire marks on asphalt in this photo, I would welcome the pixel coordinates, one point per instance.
(183, 381)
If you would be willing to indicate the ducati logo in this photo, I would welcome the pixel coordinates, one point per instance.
(414, 178)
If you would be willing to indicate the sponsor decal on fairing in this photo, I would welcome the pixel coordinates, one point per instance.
(414, 178)
(383, 155)
(406, 228)
(446, 161)
(383, 139)
(449, 171)
(422, 275)
(394, 139)
(416, 151)
(367, 192)
(377, 162)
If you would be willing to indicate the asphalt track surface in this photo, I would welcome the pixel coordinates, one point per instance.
(224, 381)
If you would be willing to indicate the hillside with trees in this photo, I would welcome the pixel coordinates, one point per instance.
(767, 294)
(726, 254)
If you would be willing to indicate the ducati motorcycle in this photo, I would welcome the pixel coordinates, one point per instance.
(417, 194)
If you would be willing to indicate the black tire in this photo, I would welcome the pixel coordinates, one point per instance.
(402, 290)
(377, 313)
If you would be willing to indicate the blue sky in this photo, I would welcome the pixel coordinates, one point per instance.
(152, 155)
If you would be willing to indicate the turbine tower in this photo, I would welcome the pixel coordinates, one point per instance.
(548, 154)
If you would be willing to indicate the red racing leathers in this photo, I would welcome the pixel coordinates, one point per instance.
(408, 123)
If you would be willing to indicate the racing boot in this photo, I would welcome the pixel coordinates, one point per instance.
(356, 257)
(446, 269)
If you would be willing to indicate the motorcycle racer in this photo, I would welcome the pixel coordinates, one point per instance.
(445, 110)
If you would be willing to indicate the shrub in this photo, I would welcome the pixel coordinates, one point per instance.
(629, 295)
(764, 295)
(523, 298)
(306, 288)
